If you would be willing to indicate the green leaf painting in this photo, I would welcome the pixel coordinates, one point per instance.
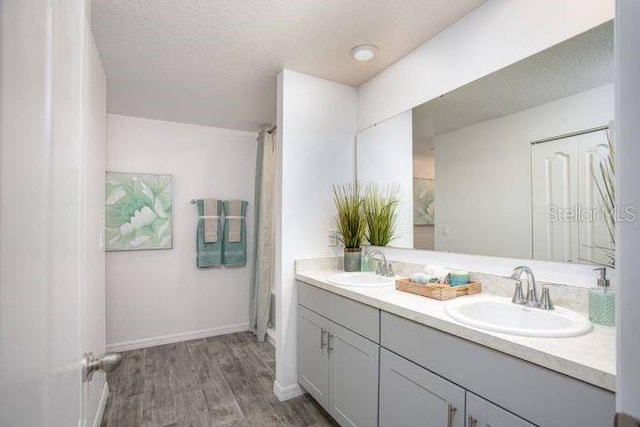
(423, 201)
(138, 211)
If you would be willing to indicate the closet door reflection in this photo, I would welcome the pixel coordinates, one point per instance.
(568, 220)
(554, 198)
(596, 239)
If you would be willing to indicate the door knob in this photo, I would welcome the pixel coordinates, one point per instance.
(108, 362)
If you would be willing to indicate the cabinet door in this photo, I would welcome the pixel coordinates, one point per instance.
(412, 396)
(353, 378)
(313, 357)
(476, 411)
(481, 413)
(498, 417)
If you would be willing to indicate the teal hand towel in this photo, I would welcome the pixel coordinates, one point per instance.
(235, 233)
(209, 254)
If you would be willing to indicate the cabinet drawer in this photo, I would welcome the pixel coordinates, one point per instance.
(544, 397)
(358, 317)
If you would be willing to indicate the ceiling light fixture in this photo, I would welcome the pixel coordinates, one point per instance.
(365, 52)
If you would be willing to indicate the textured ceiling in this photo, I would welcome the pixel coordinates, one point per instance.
(581, 63)
(215, 62)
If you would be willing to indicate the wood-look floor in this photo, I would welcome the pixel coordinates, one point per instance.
(218, 381)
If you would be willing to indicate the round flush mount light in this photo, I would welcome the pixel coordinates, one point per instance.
(365, 52)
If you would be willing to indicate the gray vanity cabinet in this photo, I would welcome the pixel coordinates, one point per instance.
(538, 395)
(411, 396)
(313, 360)
(481, 413)
(353, 378)
(339, 368)
(337, 361)
(368, 367)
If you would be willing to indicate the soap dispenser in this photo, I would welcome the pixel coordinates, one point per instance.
(602, 309)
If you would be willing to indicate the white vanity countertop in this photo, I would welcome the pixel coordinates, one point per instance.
(590, 358)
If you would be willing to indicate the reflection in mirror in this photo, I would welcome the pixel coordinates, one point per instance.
(515, 164)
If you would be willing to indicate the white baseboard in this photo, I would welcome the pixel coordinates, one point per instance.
(288, 392)
(183, 336)
(271, 336)
(101, 405)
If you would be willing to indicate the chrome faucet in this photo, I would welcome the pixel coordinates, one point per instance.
(531, 298)
(384, 269)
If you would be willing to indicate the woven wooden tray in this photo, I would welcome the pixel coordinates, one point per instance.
(438, 290)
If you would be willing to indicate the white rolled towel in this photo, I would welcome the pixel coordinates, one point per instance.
(438, 271)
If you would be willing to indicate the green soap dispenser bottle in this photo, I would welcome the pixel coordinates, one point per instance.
(602, 300)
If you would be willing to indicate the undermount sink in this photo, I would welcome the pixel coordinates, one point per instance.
(360, 280)
(501, 315)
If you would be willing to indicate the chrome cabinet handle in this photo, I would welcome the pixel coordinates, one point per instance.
(451, 412)
(472, 422)
(322, 343)
(329, 348)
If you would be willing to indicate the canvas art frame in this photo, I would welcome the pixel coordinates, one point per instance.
(138, 211)
(423, 201)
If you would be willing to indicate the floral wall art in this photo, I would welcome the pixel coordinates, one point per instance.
(138, 211)
(423, 201)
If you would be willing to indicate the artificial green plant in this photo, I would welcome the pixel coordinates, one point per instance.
(380, 210)
(349, 221)
(604, 177)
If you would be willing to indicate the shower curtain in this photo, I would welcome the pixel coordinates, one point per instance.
(265, 246)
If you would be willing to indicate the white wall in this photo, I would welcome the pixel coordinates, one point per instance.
(385, 157)
(483, 173)
(498, 33)
(159, 295)
(627, 136)
(94, 177)
(424, 167)
(316, 148)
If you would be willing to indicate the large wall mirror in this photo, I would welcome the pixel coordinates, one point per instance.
(515, 164)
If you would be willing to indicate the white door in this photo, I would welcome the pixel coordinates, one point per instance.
(554, 181)
(596, 242)
(43, 213)
(568, 222)
(94, 144)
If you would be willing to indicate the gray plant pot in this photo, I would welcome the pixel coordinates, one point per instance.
(352, 259)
